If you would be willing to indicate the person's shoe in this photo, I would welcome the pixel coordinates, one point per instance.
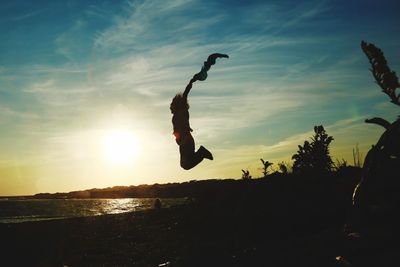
(205, 153)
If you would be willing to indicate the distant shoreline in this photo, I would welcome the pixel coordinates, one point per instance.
(23, 210)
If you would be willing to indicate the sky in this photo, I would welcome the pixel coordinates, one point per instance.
(85, 86)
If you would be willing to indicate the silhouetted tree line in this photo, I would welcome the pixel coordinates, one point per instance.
(311, 158)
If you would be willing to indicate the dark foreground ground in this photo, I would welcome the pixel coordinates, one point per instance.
(175, 237)
(267, 224)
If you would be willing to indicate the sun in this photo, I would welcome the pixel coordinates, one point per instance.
(120, 147)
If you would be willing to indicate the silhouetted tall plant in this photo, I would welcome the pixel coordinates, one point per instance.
(357, 157)
(266, 165)
(380, 169)
(379, 187)
(314, 156)
(384, 76)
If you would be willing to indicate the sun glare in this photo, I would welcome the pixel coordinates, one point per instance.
(120, 147)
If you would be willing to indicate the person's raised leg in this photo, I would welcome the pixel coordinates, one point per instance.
(205, 153)
(189, 158)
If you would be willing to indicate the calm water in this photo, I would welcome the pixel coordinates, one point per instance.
(14, 211)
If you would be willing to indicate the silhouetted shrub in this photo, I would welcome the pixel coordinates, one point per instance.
(246, 175)
(340, 164)
(266, 165)
(284, 167)
(314, 156)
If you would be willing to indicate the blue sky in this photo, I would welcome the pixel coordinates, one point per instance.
(73, 71)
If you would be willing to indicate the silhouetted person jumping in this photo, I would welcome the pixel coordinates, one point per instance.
(180, 120)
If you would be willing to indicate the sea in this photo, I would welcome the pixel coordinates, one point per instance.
(23, 210)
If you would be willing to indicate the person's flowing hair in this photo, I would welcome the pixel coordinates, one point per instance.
(179, 103)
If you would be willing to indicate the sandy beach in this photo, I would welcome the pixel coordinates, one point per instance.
(177, 236)
(278, 221)
(167, 237)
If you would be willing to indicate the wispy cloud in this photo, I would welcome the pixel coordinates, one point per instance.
(305, 12)
(29, 15)
(10, 113)
(152, 23)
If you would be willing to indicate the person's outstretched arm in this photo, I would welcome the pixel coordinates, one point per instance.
(187, 89)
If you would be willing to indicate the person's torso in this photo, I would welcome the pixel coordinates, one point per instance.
(180, 121)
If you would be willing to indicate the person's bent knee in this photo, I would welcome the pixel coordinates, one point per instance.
(185, 166)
